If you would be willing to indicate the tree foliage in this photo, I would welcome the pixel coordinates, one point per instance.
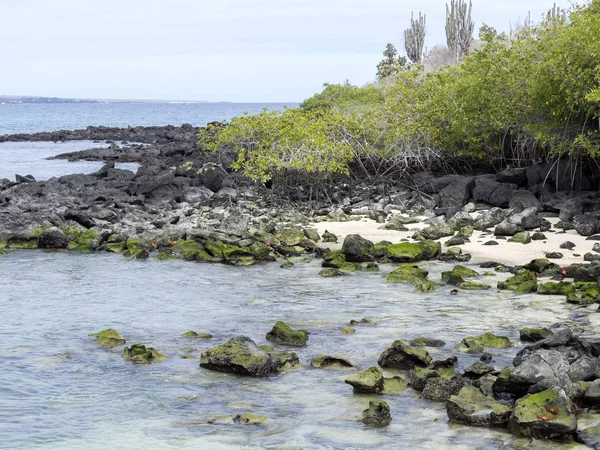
(516, 101)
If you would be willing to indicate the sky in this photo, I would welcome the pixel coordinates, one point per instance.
(213, 50)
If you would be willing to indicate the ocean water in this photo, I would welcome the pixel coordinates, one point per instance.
(31, 118)
(60, 390)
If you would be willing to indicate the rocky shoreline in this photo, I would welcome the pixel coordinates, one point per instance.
(170, 209)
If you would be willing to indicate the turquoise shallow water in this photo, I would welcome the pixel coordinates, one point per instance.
(59, 390)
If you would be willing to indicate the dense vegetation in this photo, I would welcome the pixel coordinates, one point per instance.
(532, 97)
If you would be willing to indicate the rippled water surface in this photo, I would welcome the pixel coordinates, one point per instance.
(31, 118)
(30, 158)
(59, 390)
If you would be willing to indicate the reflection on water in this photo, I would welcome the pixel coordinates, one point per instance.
(58, 389)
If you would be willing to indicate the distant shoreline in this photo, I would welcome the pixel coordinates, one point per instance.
(19, 100)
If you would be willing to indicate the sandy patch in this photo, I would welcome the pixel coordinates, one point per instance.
(506, 252)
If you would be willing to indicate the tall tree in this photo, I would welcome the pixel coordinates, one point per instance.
(414, 38)
(459, 27)
(390, 64)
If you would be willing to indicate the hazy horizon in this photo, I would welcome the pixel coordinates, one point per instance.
(259, 51)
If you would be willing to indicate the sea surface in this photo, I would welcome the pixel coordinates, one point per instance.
(60, 390)
(31, 118)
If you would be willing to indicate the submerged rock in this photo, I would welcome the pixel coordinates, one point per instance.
(140, 354)
(193, 334)
(426, 342)
(242, 356)
(329, 361)
(406, 273)
(402, 356)
(522, 283)
(471, 407)
(109, 338)
(284, 335)
(377, 415)
(546, 415)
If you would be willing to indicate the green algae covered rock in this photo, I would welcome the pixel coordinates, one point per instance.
(400, 355)
(284, 335)
(434, 232)
(287, 265)
(471, 407)
(560, 288)
(136, 248)
(377, 415)
(406, 273)
(465, 272)
(229, 254)
(3, 245)
(426, 342)
(140, 354)
(193, 334)
(337, 260)
(522, 283)
(522, 237)
(242, 356)
(476, 344)
(430, 249)
(348, 330)
(404, 252)
(534, 334)
(584, 293)
(452, 278)
(252, 419)
(109, 338)
(330, 361)
(357, 249)
(368, 381)
(540, 265)
(192, 251)
(424, 285)
(472, 286)
(546, 415)
(330, 272)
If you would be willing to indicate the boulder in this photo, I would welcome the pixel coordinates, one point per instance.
(406, 273)
(492, 192)
(586, 225)
(522, 283)
(140, 354)
(357, 249)
(440, 389)
(471, 407)
(368, 381)
(490, 218)
(242, 356)
(53, 239)
(426, 342)
(545, 415)
(526, 199)
(377, 415)
(404, 252)
(534, 334)
(330, 361)
(457, 193)
(109, 338)
(476, 344)
(284, 335)
(400, 355)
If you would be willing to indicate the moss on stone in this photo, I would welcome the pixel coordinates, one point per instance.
(452, 278)
(584, 293)
(430, 249)
(140, 354)
(368, 381)
(426, 342)
(329, 361)
(424, 285)
(522, 237)
(522, 283)
(475, 344)
(406, 273)
(329, 272)
(473, 286)
(348, 330)
(550, 288)
(404, 252)
(283, 334)
(109, 338)
(400, 355)
(193, 334)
